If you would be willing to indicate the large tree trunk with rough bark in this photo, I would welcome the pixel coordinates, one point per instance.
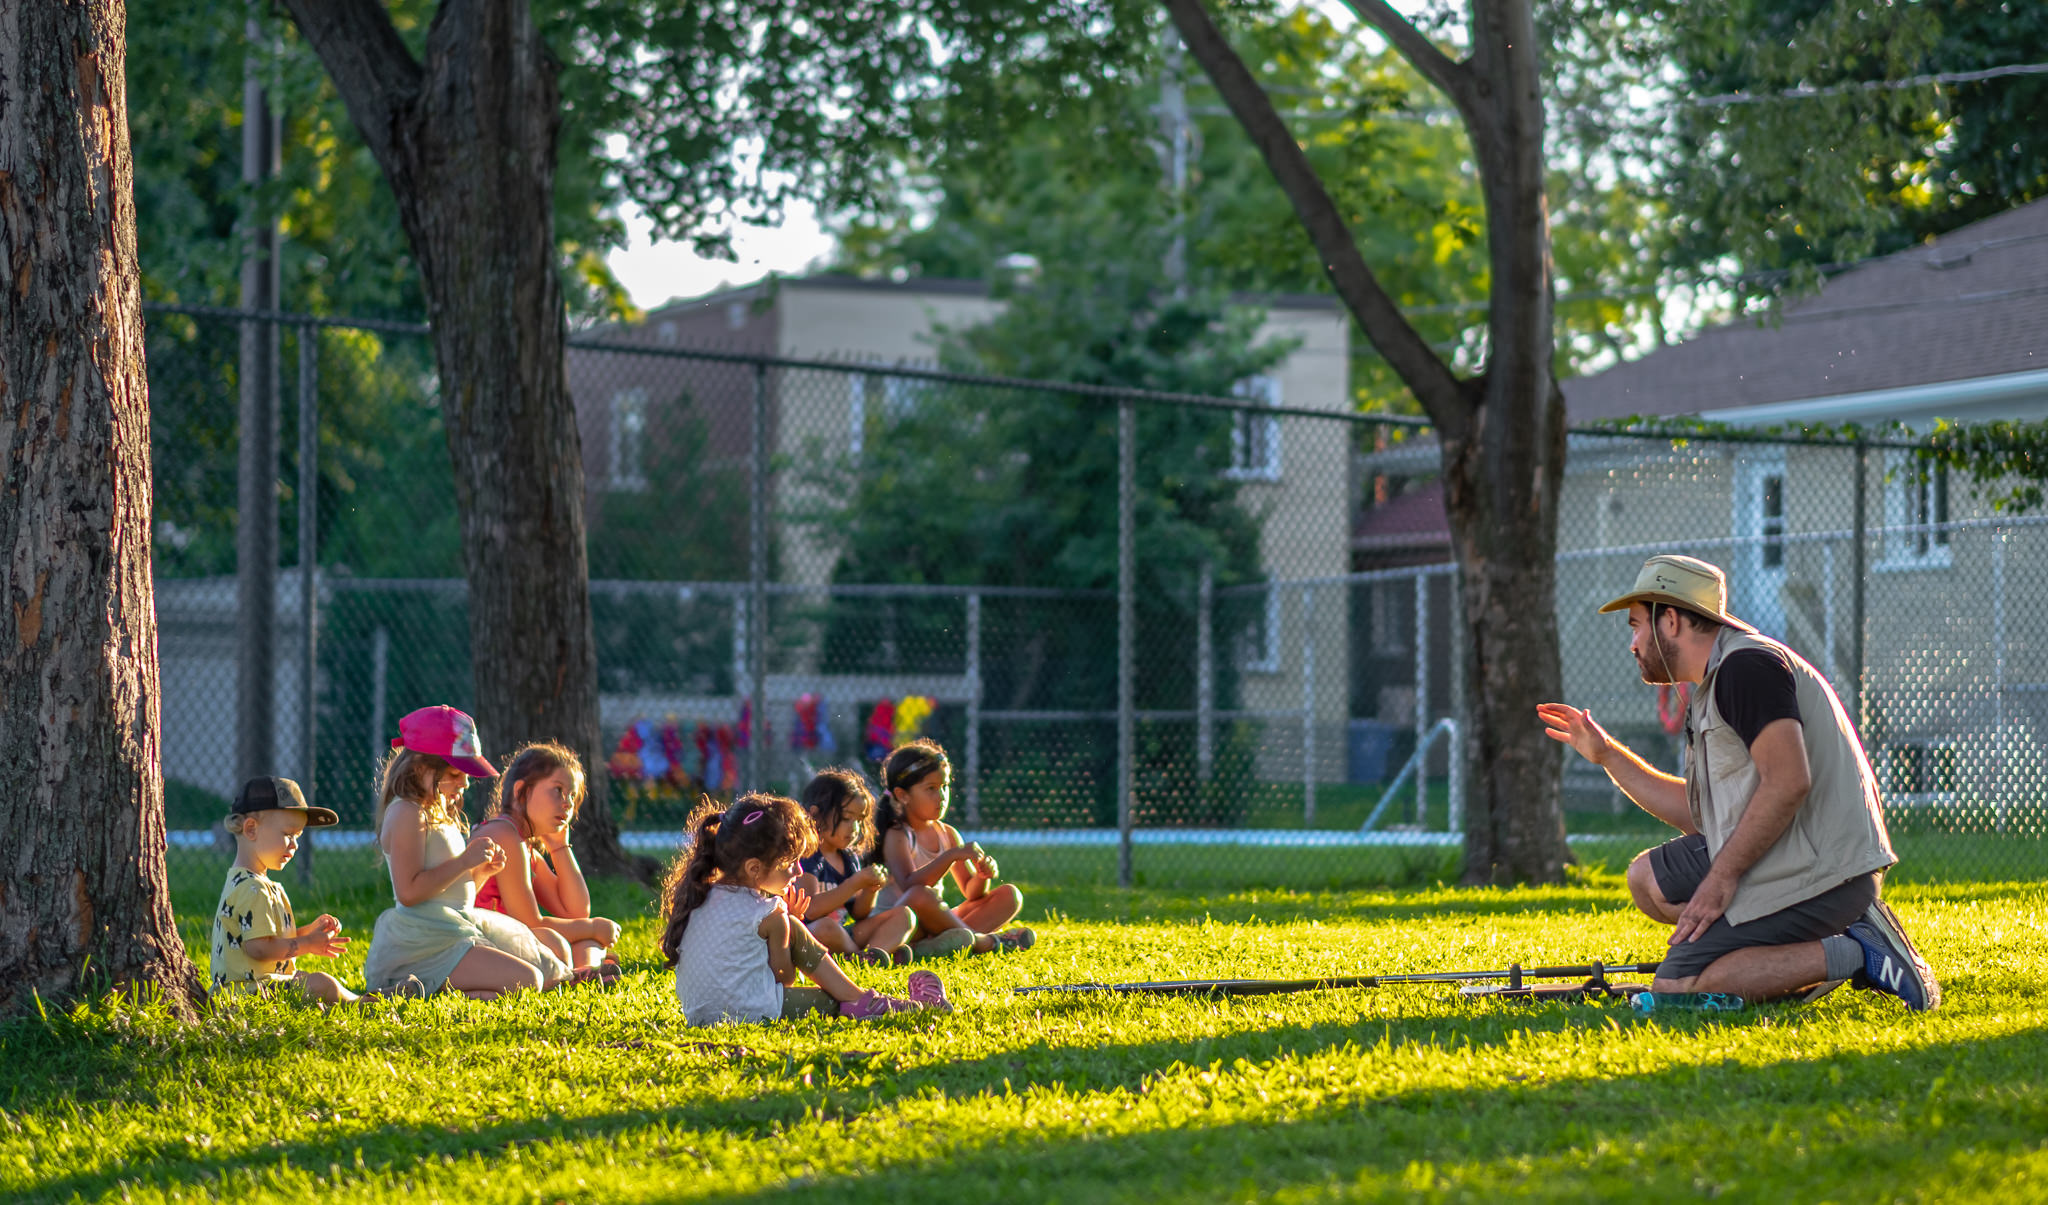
(1501, 433)
(467, 139)
(84, 905)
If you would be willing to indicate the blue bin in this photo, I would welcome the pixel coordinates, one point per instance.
(1367, 745)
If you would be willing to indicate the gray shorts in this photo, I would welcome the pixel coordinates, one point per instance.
(1682, 864)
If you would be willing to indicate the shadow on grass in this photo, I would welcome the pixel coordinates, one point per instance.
(1790, 1130)
(1406, 1125)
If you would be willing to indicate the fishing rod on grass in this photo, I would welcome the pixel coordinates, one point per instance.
(1592, 981)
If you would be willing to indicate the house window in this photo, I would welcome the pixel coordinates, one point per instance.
(895, 398)
(1916, 512)
(1919, 772)
(1259, 643)
(1255, 437)
(628, 444)
(1773, 527)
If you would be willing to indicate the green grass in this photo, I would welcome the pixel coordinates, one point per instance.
(1389, 1094)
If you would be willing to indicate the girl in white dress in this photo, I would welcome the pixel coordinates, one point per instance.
(436, 934)
(735, 932)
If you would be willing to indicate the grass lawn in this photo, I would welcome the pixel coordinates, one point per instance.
(1396, 1093)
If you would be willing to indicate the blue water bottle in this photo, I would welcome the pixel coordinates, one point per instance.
(1646, 1003)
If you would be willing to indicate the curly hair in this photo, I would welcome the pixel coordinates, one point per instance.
(835, 794)
(718, 843)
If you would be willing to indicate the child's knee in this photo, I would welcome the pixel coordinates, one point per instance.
(320, 986)
(921, 897)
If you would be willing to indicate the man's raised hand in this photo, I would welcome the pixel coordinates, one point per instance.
(1570, 726)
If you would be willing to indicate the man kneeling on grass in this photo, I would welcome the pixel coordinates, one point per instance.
(1773, 889)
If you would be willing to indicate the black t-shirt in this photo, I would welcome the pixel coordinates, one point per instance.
(1753, 688)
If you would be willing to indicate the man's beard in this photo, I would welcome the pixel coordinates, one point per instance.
(1667, 655)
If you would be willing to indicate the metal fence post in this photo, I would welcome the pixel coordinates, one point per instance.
(1205, 673)
(1421, 694)
(1859, 567)
(1308, 705)
(380, 687)
(256, 486)
(973, 766)
(1126, 633)
(309, 577)
(1454, 820)
(1998, 670)
(757, 587)
(1827, 613)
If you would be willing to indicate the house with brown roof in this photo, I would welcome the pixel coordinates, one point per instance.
(1954, 329)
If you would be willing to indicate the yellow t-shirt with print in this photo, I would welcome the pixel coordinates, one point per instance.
(251, 906)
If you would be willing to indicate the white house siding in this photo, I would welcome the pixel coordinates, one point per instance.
(197, 647)
(1304, 511)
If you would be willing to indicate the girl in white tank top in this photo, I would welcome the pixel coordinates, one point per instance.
(923, 851)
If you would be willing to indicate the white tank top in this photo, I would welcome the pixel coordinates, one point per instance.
(722, 971)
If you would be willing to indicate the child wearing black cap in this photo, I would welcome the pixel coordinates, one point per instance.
(256, 945)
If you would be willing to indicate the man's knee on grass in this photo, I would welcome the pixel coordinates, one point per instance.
(1649, 898)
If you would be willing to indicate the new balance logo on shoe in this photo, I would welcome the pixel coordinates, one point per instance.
(1890, 963)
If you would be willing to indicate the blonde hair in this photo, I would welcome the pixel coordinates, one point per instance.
(412, 776)
(533, 762)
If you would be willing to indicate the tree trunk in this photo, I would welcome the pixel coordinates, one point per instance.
(83, 900)
(1501, 484)
(467, 140)
(1502, 433)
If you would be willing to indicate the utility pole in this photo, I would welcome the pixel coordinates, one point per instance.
(1175, 136)
(256, 493)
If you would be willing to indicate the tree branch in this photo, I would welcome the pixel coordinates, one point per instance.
(1439, 68)
(369, 63)
(1431, 380)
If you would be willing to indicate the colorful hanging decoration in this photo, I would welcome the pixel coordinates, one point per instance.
(911, 713)
(879, 736)
(715, 752)
(811, 732)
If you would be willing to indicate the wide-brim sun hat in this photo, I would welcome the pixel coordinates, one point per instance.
(447, 734)
(272, 794)
(1682, 581)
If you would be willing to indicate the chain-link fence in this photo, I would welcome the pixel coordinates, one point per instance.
(1165, 640)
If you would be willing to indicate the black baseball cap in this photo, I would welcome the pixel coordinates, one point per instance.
(269, 794)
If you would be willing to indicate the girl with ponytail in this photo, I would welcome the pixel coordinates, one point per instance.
(734, 930)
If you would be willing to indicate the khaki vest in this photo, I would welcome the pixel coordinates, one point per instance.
(1837, 833)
